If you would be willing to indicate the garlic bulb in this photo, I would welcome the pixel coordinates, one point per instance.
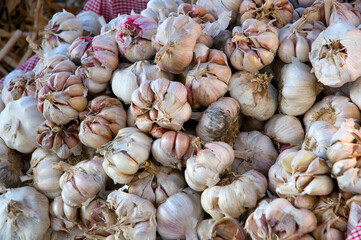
(136, 216)
(81, 183)
(10, 167)
(334, 55)
(222, 229)
(251, 49)
(255, 94)
(160, 104)
(101, 124)
(318, 138)
(173, 149)
(355, 92)
(111, 28)
(98, 63)
(126, 80)
(253, 150)
(78, 48)
(303, 201)
(174, 42)
(62, 98)
(341, 12)
(53, 64)
(285, 130)
(90, 22)
(234, 195)
(19, 122)
(125, 153)
(205, 167)
(45, 177)
(160, 9)
(217, 8)
(157, 184)
(297, 88)
(24, 214)
(178, 216)
(278, 219)
(221, 121)
(333, 109)
(63, 217)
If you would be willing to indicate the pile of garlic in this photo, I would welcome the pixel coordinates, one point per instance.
(209, 120)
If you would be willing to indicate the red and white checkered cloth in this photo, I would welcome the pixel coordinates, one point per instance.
(356, 233)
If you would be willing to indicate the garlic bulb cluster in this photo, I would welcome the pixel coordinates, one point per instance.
(62, 216)
(221, 229)
(10, 167)
(125, 153)
(78, 48)
(205, 167)
(90, 22)
(255, 94)
(53, 64)
(251, 49)
(101, 124)
(160, 9)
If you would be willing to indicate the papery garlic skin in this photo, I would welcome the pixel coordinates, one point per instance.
(160, 9)
(125, 153)
(24, 214)
(63, 217)
(340, 12)
(234, 195)
(10, 167)
(255, 93)
(355, 92)
(205, 167)
(222, 229)
(78, 48)
(19, 122)
(111, 28)
(90, 22)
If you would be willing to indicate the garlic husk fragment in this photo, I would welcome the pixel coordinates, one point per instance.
(255, 94)
(78, 48)
(24, 214)
(125, 153)
(126, 80)
(278, 219)
(90, 22)
(253, 150)
(53, 64)
(174, 42)
(136, 216)
(63, 217)
(341, 12)
(251, 49)
(220, 121)
(333, 109)
(335, 53)
(82, 182)
(160, 9)
(19, 122)
(179, 216)
(222, 229)
(204, 169)
(10, 167)
(234, 194)
(101, 124)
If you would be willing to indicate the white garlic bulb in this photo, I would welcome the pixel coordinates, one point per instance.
(221, 229)
(63, 217)
(90, 22)
(160, 9)
(341, 12)
(10, 167)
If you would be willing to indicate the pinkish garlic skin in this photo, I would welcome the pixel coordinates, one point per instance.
(54, 64)
(78, 48)
(97, 214)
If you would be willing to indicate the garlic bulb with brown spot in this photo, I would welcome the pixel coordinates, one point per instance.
(101, 123)
(160, 9)
(222, 229)
(63, 217)
(253, 150)
(78, 48)
(179, 216)
(204, 168)
(255, 94)
(10, 167)
(234, 194)
(174, 42)
(90, 22)
(220, 121)
(333, 109)
(125, 153)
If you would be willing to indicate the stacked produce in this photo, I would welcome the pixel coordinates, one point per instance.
(213, 120)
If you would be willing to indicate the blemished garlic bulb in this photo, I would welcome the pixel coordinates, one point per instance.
(333, 109)
(126, 80)
(98, 63)
(280, 11)
(220, 121)
(160, 9)
(204, 168)
(299, 173)
(62, 98)
(157, 184)
(253, 150)
(251, 49)
(45, 177)
(278, 219)
(221, 229)
(334, 55)
(101, 124)
(234, 194)
(178, 217)
(297, 88)
(136, 216)
(173, 149)
(255, 94)
(62, 140)
(90, 22)
(53, 64)
(10, 167)
(134, 37)
(19, 122)
(125, 153)
(24, 214)
(208, 80)
(62, 216)
(341, 12)
(160, 104)
(78, 48)
(81, 183)
(285, 130)
(174, 55)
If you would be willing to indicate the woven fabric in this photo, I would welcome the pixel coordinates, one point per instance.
(356, 233)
